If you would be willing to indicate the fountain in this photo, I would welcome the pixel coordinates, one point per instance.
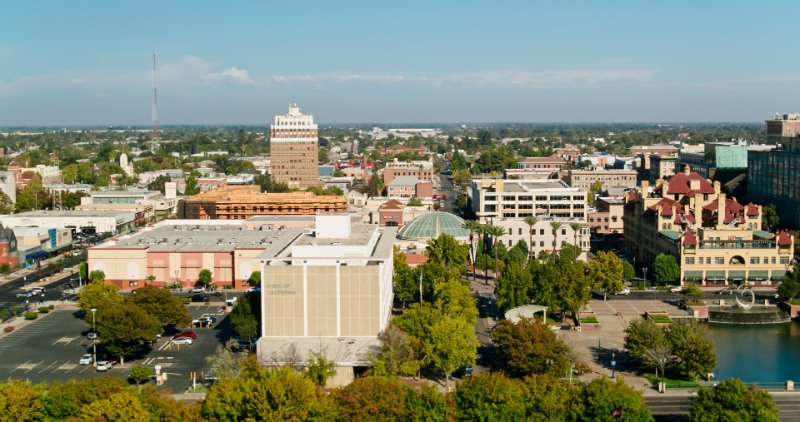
(747, 312)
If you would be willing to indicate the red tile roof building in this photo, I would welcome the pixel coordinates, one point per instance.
(715, 239)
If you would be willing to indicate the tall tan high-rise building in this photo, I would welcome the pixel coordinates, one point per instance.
(293, 149)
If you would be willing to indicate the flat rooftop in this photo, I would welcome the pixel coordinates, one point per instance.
(68, 213)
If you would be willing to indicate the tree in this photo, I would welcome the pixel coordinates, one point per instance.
(20, 401)
(531, 221)
(605, 272)
(769, 217)
(83, 271)
(495, 232)
(191, 187)
(205, 277)
(453, 344)
(597, 399)
(490, 397)
(447, 252)
(319, 369)
(659, 355)
(790, 286)
(97, 276)
(140, 373)
(548, 398)
(693, 292)
(396, 356)
(158, 184)
(642, 334)
(555, 225)
(472, 226)
(529, 347)
(666, 270)
(405, 280)
(695, 352)
(628, 272)
(32, 196)
(414, 202)
(96, 296)
(223, 362)
(255, 278)
(374, 399)
(732, 400)
(243, 319)
(6, 204)
(125, 328)
(576, 229)
(161, 304)
(513, 288)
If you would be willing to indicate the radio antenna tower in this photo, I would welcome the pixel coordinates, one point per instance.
(154, 117)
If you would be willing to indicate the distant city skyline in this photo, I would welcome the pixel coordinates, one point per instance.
(89, 62)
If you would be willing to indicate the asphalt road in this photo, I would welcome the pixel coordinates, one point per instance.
(49, 349)
(57, 289)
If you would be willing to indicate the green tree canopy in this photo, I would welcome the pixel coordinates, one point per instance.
(597, 399)
(205, 277)
(605, 272)
(125, 328)
(530, 347)
(97, 295)
(732, 400)
(490, 397)
(161, 304)
(666, 269)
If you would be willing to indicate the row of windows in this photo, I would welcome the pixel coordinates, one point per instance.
(690, 260)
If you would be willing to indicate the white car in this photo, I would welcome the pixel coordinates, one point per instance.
(197, 289)
(91, 336)
(181, 340)
(626, 291)
(86, 359)
(104, 366)
(676, 289)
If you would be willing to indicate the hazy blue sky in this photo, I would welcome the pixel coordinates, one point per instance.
(89, 62)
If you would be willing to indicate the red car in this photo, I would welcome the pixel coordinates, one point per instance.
(190, 334)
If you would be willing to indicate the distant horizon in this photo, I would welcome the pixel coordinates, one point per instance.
(381, 124)
(469, 62)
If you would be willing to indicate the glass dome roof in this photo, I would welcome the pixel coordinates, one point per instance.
(430, 226)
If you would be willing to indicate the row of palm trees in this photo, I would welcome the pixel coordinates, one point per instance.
(496, 232)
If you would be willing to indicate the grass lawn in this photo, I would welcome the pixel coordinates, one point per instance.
(589, 320)
(661, 319)
(671, 383)
(794, 302)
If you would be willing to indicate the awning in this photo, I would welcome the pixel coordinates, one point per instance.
(758, 275)
(36, 254)
(693, 275)
(715, 275)
(778, 275)
(735, 275)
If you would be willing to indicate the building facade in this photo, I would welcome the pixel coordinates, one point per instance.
(783, 127)
(716, 240)
(294, 150)
(553, 162)
(503, 198)
(243, 202)
(547, 234)
(773, 175)
(584, 179)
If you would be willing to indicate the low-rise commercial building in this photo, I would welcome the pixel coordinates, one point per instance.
(91, 222)
(584, 179)
(503, 198)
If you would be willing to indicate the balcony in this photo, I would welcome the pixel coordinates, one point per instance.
(737, 244)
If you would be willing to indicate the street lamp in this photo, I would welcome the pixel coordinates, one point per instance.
(644, 272)
(94, 340)
(613, 365)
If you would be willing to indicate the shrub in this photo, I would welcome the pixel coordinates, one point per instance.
(173, 285)
(31, 315)
(52, 306)
(8, 329)
(44, 309)
(186, 300)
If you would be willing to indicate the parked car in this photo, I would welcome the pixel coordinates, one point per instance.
(197, 289)
(725, 292)
(202, 297)
(86, 359)
(231, 301)
(181, 340)
(209, 316)
(626, 291)
(104, 366)
(464, 371)
(676, 289)
(190, 334)
(202, 322)
(91, 336)
(24, 294)
(254, 289)
(37, 290)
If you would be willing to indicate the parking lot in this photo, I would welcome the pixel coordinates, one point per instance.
(49, 350)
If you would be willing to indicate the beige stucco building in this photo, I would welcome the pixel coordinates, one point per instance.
(502, 198)
(543, 232)
(584, 179)
(715, 239)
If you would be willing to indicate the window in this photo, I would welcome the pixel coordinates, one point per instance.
(541, 232)
(564, 232)
(510, 231)
(772, 260)
(784, 260)
(520, 231)
(755, 260)
(689, 260)
(719, 260)
(708, 260)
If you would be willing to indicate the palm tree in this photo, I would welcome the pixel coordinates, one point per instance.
(496, 232)
(531, 221)
(555, 225)
(473, 226)
(576, 227)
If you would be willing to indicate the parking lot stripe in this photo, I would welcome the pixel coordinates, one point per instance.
(33, 365)
(48, 366)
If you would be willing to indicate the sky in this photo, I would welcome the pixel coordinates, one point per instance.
(242, 62)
